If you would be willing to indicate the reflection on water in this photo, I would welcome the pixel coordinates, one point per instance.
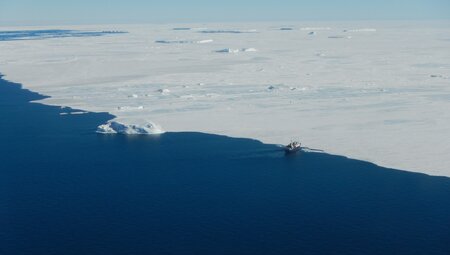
(66, 190)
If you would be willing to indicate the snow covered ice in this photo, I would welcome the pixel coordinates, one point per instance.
(376, 91)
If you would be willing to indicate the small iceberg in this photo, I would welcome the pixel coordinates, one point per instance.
(116, 127)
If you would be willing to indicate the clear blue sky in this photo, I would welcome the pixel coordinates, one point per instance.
(38, 12)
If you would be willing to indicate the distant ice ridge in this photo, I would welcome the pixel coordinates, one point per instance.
(339, 37)
(228, 50)
(314, 28)
(184, 41)
(181, 28)
(286, 28)
(116, 127)
(361, 30)
(221, 31)
(130, 108)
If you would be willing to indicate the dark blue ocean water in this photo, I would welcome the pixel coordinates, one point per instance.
(66, 190)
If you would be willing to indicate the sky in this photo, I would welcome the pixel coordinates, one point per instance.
(57, 12)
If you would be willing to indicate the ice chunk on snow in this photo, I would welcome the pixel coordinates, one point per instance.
(172, 41)
(115, 127)
(228, 50)
(249, 50)
(204, 41)
(130, 108)
(164, 91)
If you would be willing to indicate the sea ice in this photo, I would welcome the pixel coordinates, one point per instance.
(380, 97)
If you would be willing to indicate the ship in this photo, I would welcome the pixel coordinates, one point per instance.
(292, 147)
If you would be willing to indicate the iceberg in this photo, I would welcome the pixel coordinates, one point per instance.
(116, 127)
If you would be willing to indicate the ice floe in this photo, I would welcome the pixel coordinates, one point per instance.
(73, 113)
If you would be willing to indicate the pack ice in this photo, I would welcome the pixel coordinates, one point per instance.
(376, 91)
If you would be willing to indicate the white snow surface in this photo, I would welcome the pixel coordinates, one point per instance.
(184, 41)
(382, 95)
